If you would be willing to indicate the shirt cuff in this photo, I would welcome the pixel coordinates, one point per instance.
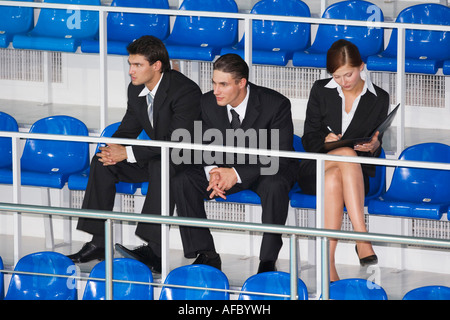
(130, 154)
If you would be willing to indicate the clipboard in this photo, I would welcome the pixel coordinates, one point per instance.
(352, 142)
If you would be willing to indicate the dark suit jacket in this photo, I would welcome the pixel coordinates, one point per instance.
(266, 109)
(324, 109)
(176, 105)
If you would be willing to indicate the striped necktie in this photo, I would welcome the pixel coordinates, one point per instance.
(150, 107)
(235, 122)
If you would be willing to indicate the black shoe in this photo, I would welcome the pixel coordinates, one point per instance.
(266, 266)
(209, 258)
(367, 261)
(143, 254)
(88, 253)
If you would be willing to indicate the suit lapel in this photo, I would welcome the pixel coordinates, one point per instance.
(253, 108)
(334, 110)
(364, 107)
(161, 95)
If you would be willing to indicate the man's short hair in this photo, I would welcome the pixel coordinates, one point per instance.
(234, 64)
(153, 49)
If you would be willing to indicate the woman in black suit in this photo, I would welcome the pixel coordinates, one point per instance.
(345, 106)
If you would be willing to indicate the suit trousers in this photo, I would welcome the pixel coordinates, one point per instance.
(189, 191)
(101, 190)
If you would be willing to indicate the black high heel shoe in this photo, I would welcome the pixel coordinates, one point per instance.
(367, 261)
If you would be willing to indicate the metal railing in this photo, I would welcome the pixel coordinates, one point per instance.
(322, 262)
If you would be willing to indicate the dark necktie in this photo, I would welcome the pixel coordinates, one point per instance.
(235, 122)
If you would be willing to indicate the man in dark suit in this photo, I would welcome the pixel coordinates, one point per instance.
(160, 100)
(264, 122)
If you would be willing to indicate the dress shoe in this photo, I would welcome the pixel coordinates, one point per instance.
(88, 253)
(143, 254)
(209, 258)
(367, 261)
(266, 266)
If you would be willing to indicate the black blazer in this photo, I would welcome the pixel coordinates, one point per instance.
(324, 109)
(266, 109)
(176, 105)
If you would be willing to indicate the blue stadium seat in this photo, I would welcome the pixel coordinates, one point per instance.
(274, 42)
(416, 192)
(306, 201)
(2, 279)
(369, 41)
(60, 29)
(202, 38)
(356, 289)
(446, 67)
(49, 163)
(428, 293)
(78, 181)
(124, 28)
(35, 287)
(7, 123)
(275, 282)
(196, 275)
(425, 50)
(123, 269)
(14, 20)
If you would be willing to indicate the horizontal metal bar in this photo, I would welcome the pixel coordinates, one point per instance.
(231, 15)
(239, 226)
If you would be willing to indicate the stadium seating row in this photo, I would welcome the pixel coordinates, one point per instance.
(208, 283)
(203, 38)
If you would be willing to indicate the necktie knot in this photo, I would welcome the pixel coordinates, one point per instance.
(235, 122)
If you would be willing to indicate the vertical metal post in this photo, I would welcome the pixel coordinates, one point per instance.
(165, 208)
(248, 40)
(325, 274)
(319, 221)
(16, 197)
(103, 56)
(108, 260)
(401, 88)
(48, 75)
(293, 267)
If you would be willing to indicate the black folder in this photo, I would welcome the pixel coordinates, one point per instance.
(352, 142)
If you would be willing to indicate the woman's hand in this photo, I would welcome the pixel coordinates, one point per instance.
(370, 146)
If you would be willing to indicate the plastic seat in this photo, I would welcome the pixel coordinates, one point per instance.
(274, 42)
(49, 163)
(61, 29)
(79, 181)
(428, 293)
(425, 50)
(7, 123)
(14, 20)
(2, 280)
(124, 28)
(275, 282)
(35, 287)
(446, 67)
(123, 269)
(416, 192)
(307, 201)
(356, 289)
(196, 275)
(202, 38)
(369, 41)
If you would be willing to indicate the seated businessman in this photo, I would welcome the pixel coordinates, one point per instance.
(160, 100)
(242, 114)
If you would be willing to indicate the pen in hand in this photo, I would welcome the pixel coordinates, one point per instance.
(331, 130)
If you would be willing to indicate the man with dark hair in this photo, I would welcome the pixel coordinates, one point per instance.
(262, 117)
(160, 100)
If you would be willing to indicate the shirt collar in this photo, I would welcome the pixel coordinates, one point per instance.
(241, 108)
(368, 85)
(146, 90)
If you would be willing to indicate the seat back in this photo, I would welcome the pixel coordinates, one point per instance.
(423, 44)
(279, 35)
(356, 289)
(428, 185)
(378, 182)
(48, 156)
(14, 20)
(125, 26)
(70, 23)
(7, 123)
(36, 287)
(205, 31)
(275, 282)
(195, 275)
(368, 40)
(123, 269)
(428, 293)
